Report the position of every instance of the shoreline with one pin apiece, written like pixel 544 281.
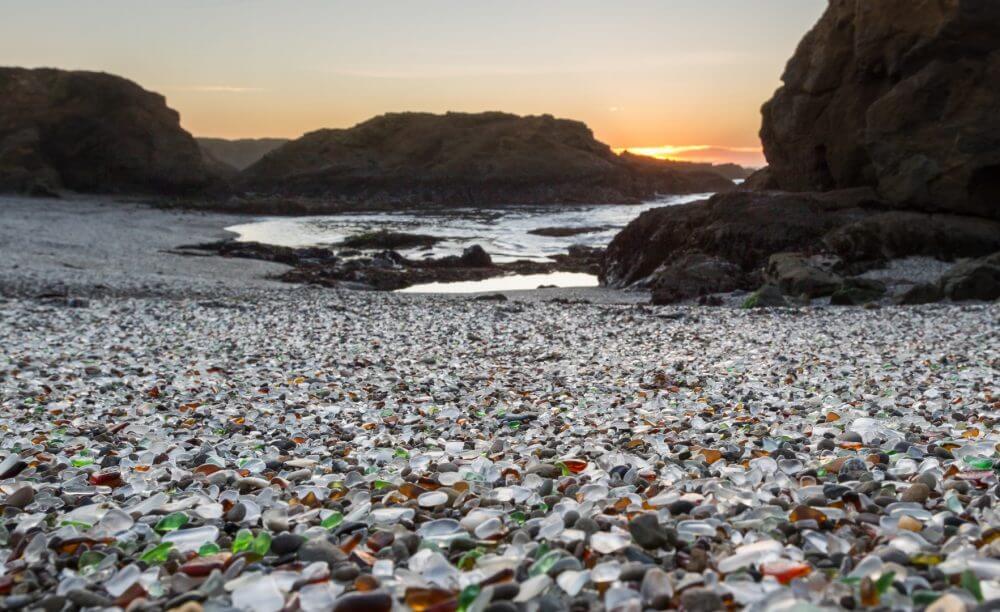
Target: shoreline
pixel 94 247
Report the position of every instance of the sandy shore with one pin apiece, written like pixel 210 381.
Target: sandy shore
pixel 89 246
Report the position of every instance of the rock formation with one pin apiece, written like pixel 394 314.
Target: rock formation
pixel 464 159
pixel 884 142
pixel 896 94
pixel 91 132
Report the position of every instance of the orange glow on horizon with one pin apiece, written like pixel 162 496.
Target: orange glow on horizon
pixel 745 156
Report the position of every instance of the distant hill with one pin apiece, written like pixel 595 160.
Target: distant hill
pixel 240 153
pixel 465 159
pixel 91 132
pixel 730 171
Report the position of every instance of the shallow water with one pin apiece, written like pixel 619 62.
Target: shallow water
pixel 503 232
pixel 517 282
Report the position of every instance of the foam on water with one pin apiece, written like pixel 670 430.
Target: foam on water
pixel 503 232
pixel 518 282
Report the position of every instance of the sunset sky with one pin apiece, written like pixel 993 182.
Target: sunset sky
pixel 690 74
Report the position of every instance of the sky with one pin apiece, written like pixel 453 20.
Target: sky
pixel 679 78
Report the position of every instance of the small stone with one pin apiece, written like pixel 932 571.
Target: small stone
pixel 370 601
pixel 917 492
pixel 700 600
pixel 20 498
pixel 647 533
pixel 319 549
pixel 286 543
pixel 86 598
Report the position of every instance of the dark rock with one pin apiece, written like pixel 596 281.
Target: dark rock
pixel 285 543
pixel 319 549
pixel 879 94
pixel 918 492
pixel 476 256
pixel 742 228
pixel 12 466
pixel 977 279
pixel 767 296
pixel 880 235
pixel 370 601
pixel 700 600
pixel 89 599
pixel 647 533
pixel 92 132
pixel 857 291
pixel 797 274
pixel 926 293
pixel 384 239
pixel 465 159
pixel 491 297
pixel 693 275
pixel 680 506
pixel 886 135
pixel 565 232
pixel 21 497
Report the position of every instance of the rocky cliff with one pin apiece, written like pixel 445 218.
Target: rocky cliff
pixel 91 132
pixel 883 142
pixel 464 159
pixel 900 95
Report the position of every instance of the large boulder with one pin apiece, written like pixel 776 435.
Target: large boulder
pixel 743 228
pixel 695 274
pixel 91 132
pixel 739 232
pixel 796 274
pixel 899 95
pixel 465 159
pixel 972 279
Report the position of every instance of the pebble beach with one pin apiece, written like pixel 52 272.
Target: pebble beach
pixel 171 440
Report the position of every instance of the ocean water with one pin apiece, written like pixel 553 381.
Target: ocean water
pixel 503 232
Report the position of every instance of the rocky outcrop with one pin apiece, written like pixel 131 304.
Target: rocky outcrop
pixel 240 153
pixel 899 95
pixel 463 159
pixel 742 228
pixel 884 142
pixel 386 269
pixel 91 132
pixel 796 274
pixel 666 249
pixel 974 279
